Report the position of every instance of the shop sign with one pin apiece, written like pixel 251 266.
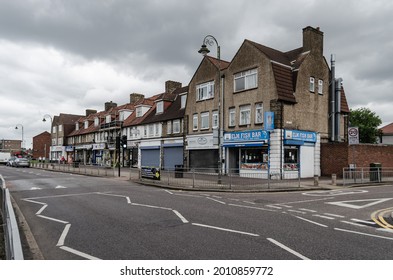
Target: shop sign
pixel 246 136
pixel 100 146
pixel 69 148
pixel 298 135
pixel 269 121
pixel 200 142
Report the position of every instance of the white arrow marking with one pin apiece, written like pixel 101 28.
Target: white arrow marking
pixel 35 188
pixel 60 187
pixel 354 203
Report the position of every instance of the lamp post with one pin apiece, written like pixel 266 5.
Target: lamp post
pixel 210 40
pixel 51 128
pixel 16 127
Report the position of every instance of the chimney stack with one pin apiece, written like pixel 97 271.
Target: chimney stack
pixel 109 105
pixel 313 40
pixel 171 86
pixel 90 112
pixel 135 97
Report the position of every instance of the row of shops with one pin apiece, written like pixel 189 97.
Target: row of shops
pixel 284 152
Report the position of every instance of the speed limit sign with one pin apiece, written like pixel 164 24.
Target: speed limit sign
pixel 353 135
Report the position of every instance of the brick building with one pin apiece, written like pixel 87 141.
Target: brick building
pixel 10 145
pixel 41 145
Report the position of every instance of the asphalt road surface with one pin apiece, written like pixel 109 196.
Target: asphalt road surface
pixel 79 217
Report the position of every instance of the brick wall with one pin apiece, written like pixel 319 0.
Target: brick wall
pixel 40 142
pixel 336 156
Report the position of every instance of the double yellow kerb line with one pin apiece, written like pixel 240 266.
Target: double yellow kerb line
pixel 379 217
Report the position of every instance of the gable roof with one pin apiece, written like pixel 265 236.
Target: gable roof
pixel 387 129
pixel 344 104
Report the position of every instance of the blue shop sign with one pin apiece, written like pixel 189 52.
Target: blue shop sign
pixel 246 136
pixel 298 135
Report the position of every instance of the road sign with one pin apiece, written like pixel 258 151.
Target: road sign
pixel 353 135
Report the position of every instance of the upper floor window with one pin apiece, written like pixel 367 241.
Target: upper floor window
pixel 259 113
pixel 205 120
pixel 160 107
pixel 215 119
pixel 169 127
pixel 176 126
pixel 312 84
pixel 86 124
pixel 246 80
pixel 195 122
pixel 139 112
pixel 320 86
pixel 76 127
pixel 205 91
pixel 183 101
pixel 232 117
pixel 108 119
pixel 96 122
pixel 60 127
pixel 245 114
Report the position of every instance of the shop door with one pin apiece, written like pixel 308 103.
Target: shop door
pixel 172 156
pixel 150 158
pixel 306 161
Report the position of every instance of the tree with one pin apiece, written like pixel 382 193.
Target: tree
pixel 368 123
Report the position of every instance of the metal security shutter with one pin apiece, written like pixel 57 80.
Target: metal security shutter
pixel 204 159
pixel 150 157
pixel 172 156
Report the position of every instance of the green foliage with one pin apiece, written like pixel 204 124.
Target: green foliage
pixel 368 123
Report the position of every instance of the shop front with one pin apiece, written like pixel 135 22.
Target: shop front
pixel 83 153
pixel 133 148
pixel 202 152
pixel 69 154
pixel 57 152
pixel 247 152
pixel 301 153
pixel 172 153
pixel 151 154
pixel 98 153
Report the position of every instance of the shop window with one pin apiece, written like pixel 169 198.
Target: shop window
pixel 255 158
pixel 291 158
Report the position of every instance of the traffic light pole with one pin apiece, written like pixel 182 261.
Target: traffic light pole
pixel 118 153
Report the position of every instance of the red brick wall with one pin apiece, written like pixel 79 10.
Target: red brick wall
pixel 39 142
pixel 336 156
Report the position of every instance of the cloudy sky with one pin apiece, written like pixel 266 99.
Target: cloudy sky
pixel 72 55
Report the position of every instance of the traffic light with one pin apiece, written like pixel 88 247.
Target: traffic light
pixel 124 141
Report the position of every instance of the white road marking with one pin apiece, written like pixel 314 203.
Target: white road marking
pixel 225 229
pixel 60 187
pixel 293 252
pixel 251 207
pixel 216 200
pixel 118 195
pixel 42 209
pixel 386 230
pixel 52 219
pixel 365 234
pixel 184 220
pixel 315 223
pixel 151 206
pixel 323 217
pixel 35 188
pixel 296 211
pixel 273 206
pixel 78 253
pixel 63 235
pixel 354 224
pixel 308 210
pixel 334 215
pixel 363 221
pixel 168 191
pixel 353 204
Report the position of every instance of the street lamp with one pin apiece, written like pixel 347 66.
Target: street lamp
pixel 210 40
pixel 51 124
pixel 16 127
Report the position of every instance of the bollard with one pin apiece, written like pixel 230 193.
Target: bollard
pixel 316 181
pixel 334 179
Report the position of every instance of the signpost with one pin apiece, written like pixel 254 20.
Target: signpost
pixel 353 135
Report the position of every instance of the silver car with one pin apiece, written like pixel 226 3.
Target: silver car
pixel 21 162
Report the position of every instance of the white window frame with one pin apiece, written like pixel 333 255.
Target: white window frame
pixel 245 115
pixel 157 129
pixel 176 126
pixel 320 87
pixel 246 79
pixel 258 113
pixel 215 119
pixel 205 120
pixel 183 101
pixel 139 112
pixel 160 107
pixel 151 130
pixel 60 127
pixel 232 117
pixel 76 127
pixel 86 125
pixel 195 122
pixel 169 127
pixel 312 84
pixel 96 122
pixel 205 91
pixel 108 119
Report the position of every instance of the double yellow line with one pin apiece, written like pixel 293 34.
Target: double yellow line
pixel 379 219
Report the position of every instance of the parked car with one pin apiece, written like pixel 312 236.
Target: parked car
pixel 10 161
pixel 21 162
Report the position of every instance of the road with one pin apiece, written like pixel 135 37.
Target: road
pixel 78 217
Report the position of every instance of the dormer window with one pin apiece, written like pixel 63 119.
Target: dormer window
pixel 86 124
pixel 76 126
pixel 96 122
pixel 183 101
pixel 160 107
pixel 108 119
pixel 139 112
